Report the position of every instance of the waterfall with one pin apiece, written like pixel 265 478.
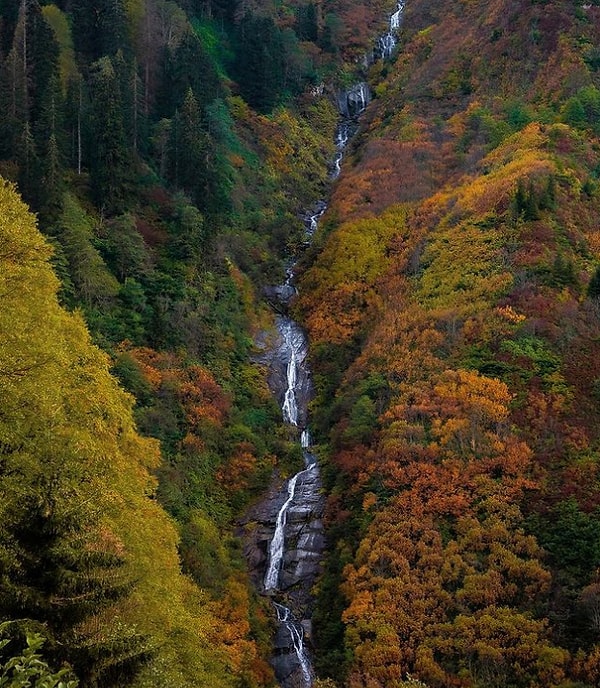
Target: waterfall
pixel 305 439
pixel 276 547
pixel 290 408
pixel 386 43
pixel 312 217
pixel 354 101
pixel 294 550
pixel 303 497
pixel 284 615
pixel 342 134
pixel 294 342
pixel 396 18
pixel 304 487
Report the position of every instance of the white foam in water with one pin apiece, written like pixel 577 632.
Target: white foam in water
pixel 284 615
pixel 352 103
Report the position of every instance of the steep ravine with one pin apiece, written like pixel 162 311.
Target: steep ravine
pixel 284 538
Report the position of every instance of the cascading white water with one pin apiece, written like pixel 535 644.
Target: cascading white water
pixel 306 482
pixel 284 615
pixel 311 219
pixel 277 543
pixel 386 43
pixel 354 101
pixel 342 135
pixel 290 408
pixel 305 439
pixel 293 349
pixel 294 343
pixel 396 18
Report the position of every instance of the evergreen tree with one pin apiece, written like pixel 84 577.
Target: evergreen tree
pixel 188 150
pixel 220 174
pixel 130 87
pixel 224 9
pixel 58 574
pixel 594 285
pixel 60 563
pixel 9 13
pixel 49 137
pixel 77 124
pixel 110 157
pixel 29 166
pixel 52 574
pixel 260 64
pixel 99 28
pixel 186 67
pixel 11 103
pixel 91 278
pixel 42 59
pixel 307 27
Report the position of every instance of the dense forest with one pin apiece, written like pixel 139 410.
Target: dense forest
pixel 156 159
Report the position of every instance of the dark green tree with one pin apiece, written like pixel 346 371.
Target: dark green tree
pixel 188 66
pixel 99 28
pixel 53 572
pixel 29 167
pixel 110 157
pixel 51 144
pixel 130 86
pixel 9 13
pixel 42 59
pixel 260 64
pixel 77 124
pixel 307 28
pixel 188 150
pixel 594 285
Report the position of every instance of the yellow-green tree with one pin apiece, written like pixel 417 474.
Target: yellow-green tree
pixel 86 554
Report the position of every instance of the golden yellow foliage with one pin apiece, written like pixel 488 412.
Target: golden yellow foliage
pixel 66 424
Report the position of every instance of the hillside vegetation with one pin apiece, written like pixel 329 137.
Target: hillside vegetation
pixel 167 150
pixel 452 305
pixel 155 161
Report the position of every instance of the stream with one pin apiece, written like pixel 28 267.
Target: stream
pixel 287 540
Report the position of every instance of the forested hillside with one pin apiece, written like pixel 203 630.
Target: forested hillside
pixel 156 160
pixel 167 150
pixel 452 304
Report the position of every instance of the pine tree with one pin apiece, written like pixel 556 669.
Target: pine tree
pixel 29 166
pixel 110 159
pixel 594 285
pixel 42 59
pixel 99 28
pixel 307 27
pixel 186 67
pixel 60 565
pixel 188 150
pixel 260 64
pixel 77 123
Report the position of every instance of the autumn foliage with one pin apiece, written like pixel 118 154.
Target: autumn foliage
pixel 461 435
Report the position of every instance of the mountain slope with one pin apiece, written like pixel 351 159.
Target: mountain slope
pixel 88 558
pixel 453 313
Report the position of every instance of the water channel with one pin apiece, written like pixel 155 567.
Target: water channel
pixel 289 541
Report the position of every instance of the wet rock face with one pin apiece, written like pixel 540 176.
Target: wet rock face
pixel 354 100
pixel 300 566
pixel 277 359
pixel 283 534
pixel 293 567
pixel 304 534
pixel 304 539
pixel 285 665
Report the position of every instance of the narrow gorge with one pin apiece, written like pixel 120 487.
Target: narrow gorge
pixel 284 546
pixel 300 344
